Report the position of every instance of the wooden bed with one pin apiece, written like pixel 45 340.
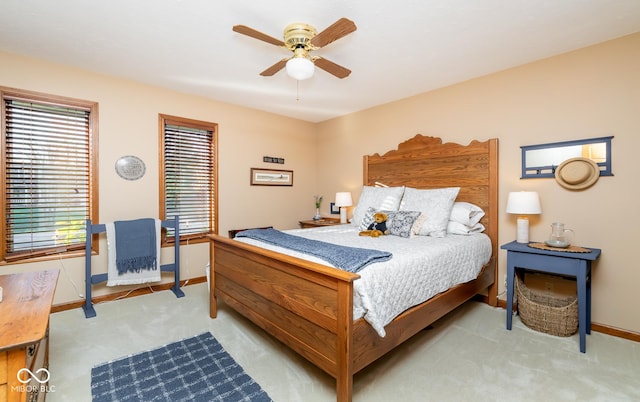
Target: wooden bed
pixel 309 306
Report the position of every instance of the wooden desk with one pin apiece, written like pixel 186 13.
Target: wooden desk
pixel 520 255
pixel 24 337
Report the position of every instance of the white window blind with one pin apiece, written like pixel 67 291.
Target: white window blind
pixel 189 152
pixel 47 177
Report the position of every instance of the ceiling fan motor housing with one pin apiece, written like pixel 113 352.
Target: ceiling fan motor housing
pixel 299 35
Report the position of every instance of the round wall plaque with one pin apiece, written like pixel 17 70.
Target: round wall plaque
pixel 130 167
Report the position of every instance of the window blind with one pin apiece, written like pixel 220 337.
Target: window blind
pixel 188 178
pixel 47 169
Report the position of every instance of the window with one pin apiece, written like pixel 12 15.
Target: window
pixel 49 170
pixel 188 184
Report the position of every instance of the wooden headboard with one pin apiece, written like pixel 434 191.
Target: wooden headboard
pixel 425 162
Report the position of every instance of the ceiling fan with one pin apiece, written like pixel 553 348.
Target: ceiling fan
pixel 301 39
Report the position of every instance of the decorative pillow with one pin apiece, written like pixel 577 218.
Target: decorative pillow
pixel 367 219
pixel 435 204
pixel 460 229
pixel 466 213
pixel 402 223
pixel 399 223
pixel 379 198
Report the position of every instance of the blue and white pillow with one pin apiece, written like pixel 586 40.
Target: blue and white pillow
pixel 402 223
pixel 399 223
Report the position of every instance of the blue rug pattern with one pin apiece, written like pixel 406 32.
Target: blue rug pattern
pixel 193 369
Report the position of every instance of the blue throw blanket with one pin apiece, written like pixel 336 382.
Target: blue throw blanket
pixel 351 259
pixel 135 245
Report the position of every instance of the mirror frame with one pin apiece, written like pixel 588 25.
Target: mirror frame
pixel 536 172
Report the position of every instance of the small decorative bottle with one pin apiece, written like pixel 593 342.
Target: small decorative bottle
pixel 317 216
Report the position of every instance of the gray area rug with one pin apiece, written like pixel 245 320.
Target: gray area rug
pixel 193 369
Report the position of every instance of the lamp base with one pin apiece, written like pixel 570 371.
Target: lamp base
pixel 343 215
pixel 522 231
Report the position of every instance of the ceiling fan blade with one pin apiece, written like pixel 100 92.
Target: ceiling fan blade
pixel 275 68
pixel 245 30
pixel 331 67
pixel 335 31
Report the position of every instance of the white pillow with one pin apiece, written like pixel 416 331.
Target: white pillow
pixel 378 198
pixel 460 229
pixel 435 205
pixel 466 213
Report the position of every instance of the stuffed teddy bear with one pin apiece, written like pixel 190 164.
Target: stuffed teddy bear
pixel 378 227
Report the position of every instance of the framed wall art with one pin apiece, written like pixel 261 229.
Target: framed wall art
pixel 271 177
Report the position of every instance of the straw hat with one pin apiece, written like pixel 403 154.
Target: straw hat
pixel 577 173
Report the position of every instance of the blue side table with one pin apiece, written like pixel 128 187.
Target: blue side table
pixel 520 255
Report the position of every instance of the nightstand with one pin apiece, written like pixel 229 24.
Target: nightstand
pixel 322 222
pixel 577 264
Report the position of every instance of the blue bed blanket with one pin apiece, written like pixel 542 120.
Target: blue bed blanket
pixel 351 259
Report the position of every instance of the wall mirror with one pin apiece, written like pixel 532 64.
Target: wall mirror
pixel 541 160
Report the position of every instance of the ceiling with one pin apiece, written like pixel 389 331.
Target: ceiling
pixel 400 49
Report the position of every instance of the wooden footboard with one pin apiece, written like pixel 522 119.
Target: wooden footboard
pixel 309 307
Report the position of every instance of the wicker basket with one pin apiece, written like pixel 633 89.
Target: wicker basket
pixel 544 312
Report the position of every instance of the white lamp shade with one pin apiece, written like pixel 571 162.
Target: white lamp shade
pixel 344 199
pixel 524 203
pixel 300 68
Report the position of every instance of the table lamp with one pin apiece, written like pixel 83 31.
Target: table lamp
pixel 523 203
pixel 343 200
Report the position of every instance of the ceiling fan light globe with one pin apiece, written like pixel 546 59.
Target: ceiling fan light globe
pixel 300 68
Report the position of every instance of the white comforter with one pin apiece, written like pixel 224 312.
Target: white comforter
pixel 421 267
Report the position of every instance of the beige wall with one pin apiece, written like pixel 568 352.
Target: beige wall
pixel 129 126
pixel 592 92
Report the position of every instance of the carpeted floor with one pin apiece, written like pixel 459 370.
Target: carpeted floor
pixel 194 369
pixel 467 356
